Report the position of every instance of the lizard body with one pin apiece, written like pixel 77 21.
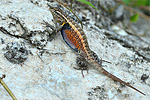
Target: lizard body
pixel 76 39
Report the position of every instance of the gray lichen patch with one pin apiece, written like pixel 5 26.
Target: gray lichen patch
pixel 39 39
pixel 16 52
pixel 97 93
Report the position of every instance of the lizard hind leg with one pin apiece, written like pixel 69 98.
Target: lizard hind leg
pixel 97 59
pixel 82 65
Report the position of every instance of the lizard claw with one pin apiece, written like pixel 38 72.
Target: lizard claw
pixel 82 65
pixel 82 69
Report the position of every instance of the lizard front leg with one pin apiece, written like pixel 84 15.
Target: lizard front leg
pixel 57 29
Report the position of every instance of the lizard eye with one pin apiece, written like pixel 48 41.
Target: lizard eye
pixel 61 23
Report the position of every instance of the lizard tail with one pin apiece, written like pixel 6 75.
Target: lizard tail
pixel 119 80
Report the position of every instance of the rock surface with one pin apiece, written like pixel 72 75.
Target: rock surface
pixel 47 72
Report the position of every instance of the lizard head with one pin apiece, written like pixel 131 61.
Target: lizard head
pixel 58 15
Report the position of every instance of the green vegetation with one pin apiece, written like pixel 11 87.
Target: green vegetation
pixel 134 18
pixel 88 3
pixel 137 3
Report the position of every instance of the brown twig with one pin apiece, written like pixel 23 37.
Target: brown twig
pixel 6 87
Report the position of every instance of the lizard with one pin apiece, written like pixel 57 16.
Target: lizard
pixel 75 38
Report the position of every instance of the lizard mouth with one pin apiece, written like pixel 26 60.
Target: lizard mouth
pixel 57 16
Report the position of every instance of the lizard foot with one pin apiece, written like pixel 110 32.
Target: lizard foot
pixel 82 65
